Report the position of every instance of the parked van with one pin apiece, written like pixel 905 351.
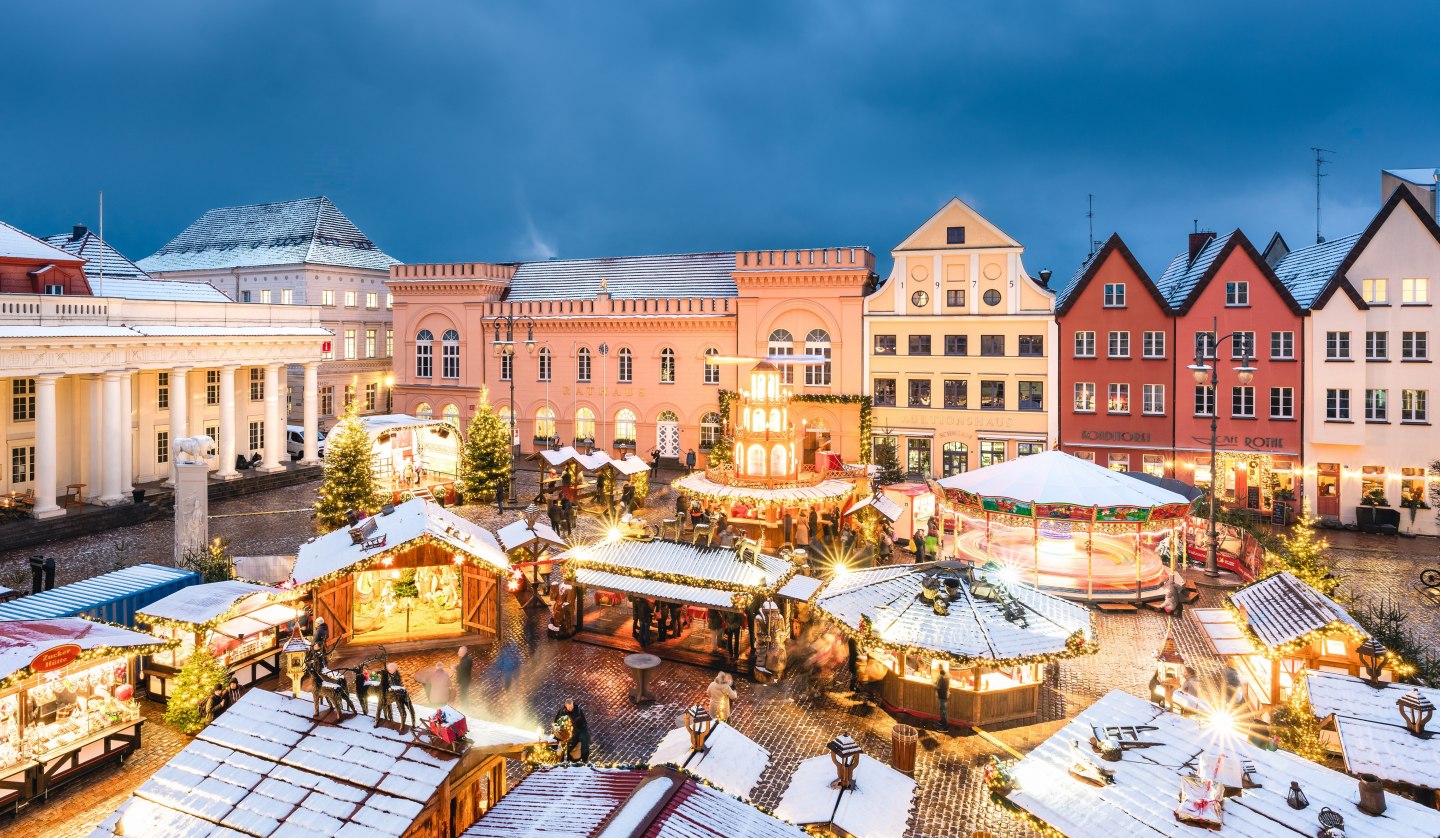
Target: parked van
pixel 295 442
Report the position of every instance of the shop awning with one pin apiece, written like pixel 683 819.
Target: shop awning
pixel 889 508
pixel 1224 633
pixel 21 641
pixel 654 589
pixel 257 621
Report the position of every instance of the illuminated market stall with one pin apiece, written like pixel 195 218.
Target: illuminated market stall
pixel 413 456
pixel 1068 526
pixel 67 701
pixel 994 639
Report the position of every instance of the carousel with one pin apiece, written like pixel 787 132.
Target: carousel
pixel 1068 526
pixel 414 457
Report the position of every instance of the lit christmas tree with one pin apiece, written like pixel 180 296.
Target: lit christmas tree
pixel 349 481
pixel 1302 553
pixel 187 709
pixel 485 452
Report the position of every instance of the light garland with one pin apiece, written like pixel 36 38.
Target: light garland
pixel 380 556
pixel 1292 648
pixel 731 497
pixel 23 674
pixel 1076 645
pixel 740 595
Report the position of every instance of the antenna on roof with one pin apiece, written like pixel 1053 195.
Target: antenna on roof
pixel 1090 214
pixel 1319 239
pixel 102 238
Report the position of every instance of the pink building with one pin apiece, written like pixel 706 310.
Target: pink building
pixel 618 358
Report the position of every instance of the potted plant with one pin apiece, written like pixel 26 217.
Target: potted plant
pixel 1374 496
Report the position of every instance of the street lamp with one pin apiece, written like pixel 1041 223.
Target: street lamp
pixel 1208 375
pixel 504 348
pixel 389 392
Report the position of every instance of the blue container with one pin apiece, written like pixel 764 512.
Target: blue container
pixel 112 597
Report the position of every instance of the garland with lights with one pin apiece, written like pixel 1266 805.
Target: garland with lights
pixel 1076 645
pixel 23 674
pixel 867 406
pixel 379 557
pixel 740 595
pixel 205 625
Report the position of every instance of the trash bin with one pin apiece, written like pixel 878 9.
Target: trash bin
pixel 903 739
pixel 138 495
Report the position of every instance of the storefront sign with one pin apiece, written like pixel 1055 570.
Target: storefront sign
pixel 1251 443
pixel 938 419
pixel 56 658
pixel 1114 436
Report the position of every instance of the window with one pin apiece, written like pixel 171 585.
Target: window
pixel 54 290
pixel 212 431
pixel 1337 346
pixel 1205 344
pixel 257 384
pixel 1377 346
pixel 957 345
pixel 1025 449
pixel 162 448
pixel 1237 294
pixel 424 346
pixel 1087 456
pixel 954 235
pixel 543 365
pixel 507 367
pixel 1032 396
pixel 1114 295
pixel 625 426
pixel 712 371
pixel 992 452
pixel 245 297
pixel 327 297
pixel 451 414
pixel 1242 345
pixel 327 400
pixel 22 464
pixel 667 366
pixel 287 296
pixel 1372 485
pixel 372 299
pixel 584 424
pixel 1282 346
pixel 1118 462
pixel 992 345
pixel 1337 405
pixel 818 343
pixel 423 411
pixel 1084 397
pixel 22 399
pixel 350 299
pixel 212 388
pixel 884 344
pixel 372 394
pixel 709 431
pixel 1204 400
pixel 257 436
pixel 991 297
pixel 1032 346
pixel 389 300
pixel 919 299
pixel 1414 346
pixel 1118 400
pixel 1242 402
pixel 1415 291
pixel 1152 344
pixel 955 298
pixel 1152 399
pixel 917 455
pixel 349 344
pixel 1374 292
pixel 582 364
pixel 507 418
pixel 885 392
pixel 954 459
pixel 450 354
pixel 1282 402
pixel 919 345
pixel 1377 408
pixel 626 368
pixel 1412 485
pixel 919 392
pixel 389 343
pixel 782 343
pixel 1153 464
pixel 1119 344
pixel 1084 344
pixel 545 423
pixel 957 393
pixel 1413 406
pixel 265 296
pixel 349 395
pixel 992 395
pixel 162 391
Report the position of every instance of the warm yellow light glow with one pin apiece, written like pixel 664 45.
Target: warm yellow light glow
pixel 614 534
pixel 1010 575
pixel 1221 721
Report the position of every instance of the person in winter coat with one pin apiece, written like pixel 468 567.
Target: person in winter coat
pixel 557 516
pixel 580 737
pixel 690 460
pixel 721 695
pixel 321 636
pixel 802 535
pixel 814 523
pixel 643 613
pixel 437 689
pixel 716 623
pixel 942 696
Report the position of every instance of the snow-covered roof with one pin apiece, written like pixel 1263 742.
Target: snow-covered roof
pixel 517 534
pixel 717 571
pixel 309 230
pixel 18 244
pixel 384 423
pixel 1373 737
pixel 878 807
pixel 1060 478
pixel 266 767
pixel 560 456
pixel 825 490
pixel 22 640
pixel 731 760
pixel 144 331
pixel 626 277
pixel 100 258
pixel 412 519
pixel 628 465
pixel 1143 797
pixel 1306 272
pixel 205 602
pixel 1281 608
pixel 884 505
pixel 800 587
pixel 266 570
pixel 889 599
pixel 1183 274
pixel 128 288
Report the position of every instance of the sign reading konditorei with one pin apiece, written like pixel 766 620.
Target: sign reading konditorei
pixel 1115 436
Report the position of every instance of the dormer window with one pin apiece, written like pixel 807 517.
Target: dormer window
pixel 54 290
pixel 954 235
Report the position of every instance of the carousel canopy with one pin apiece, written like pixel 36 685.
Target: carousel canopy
pixel 708 577
pixel 22 640
pixel 730 761
pixel 389 422
pixel 199 604
pixel 878 807
pixel 1054 477
pixel 822 492
pixel 1373 737
pixel 890 602
pixel 411 520
pixel 1280 609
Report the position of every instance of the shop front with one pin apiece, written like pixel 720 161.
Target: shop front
pixel 1252 477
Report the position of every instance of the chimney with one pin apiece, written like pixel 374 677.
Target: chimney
pixel 1198 242
pixel 78 232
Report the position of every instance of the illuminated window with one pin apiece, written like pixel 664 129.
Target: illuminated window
pixel 817 342
pixel 1374 291
pixel 584 424
pixel 625 420
pixel 1084 397
pixel 667 366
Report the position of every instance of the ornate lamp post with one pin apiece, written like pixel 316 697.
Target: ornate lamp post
pixel 1207 374
pixel 504 348
pixel 389 392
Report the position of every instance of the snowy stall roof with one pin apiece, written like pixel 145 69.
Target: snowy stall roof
pixel 205 602
pixel 22 640
pixel 1373 737
pixel 627 465
pixel 412 519
pixel 377 425
pixel 575 801
pixel 266 570
pixel 558 457
pixel 1280 609
pixel 800 587
pixel 266 767
pixel 516 534
pixel 1147 780
pixel 731 760
pixel 646 568
pixel 1057 477
pixel 825 490
pixel 976 628
pixel 878 807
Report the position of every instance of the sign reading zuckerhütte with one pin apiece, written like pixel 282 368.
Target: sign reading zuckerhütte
pixel 56 658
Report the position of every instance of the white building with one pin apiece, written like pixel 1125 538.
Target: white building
pixel 97 376
pixel 304 253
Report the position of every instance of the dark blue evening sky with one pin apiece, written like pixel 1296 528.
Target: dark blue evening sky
pixel 497 131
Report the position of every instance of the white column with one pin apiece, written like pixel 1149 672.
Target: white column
pixel 95 461
pixel 225 445
pixel 179 411
pixel 312 414
pixel 274 421
pixel 45 447
pixel 127 430
pixel 111 448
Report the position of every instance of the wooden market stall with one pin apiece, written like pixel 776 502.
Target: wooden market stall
pixel 1382 729
pixel 994 640
pixel 67 701
pixel 239 621
pixel 415 576
pixel 530 544
pixel 848 793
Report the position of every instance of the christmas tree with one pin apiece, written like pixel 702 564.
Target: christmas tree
pixel 349 481
pixel 1295 727
pixel 212 562
pixel 188 709
pixel 485 452
pixel 1302 553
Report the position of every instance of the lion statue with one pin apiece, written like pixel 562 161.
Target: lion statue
pixel 192 449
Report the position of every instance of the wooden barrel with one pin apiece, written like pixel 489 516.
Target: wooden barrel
pixel 903 741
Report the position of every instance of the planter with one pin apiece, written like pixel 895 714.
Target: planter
pixel 138 495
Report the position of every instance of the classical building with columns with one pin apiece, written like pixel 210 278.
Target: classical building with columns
pixel 99 374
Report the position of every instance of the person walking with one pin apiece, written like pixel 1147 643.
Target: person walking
pixel 643 613
pixel 464 671
pixel 722 693
pixel 579 730
pixel 437 688
pixel 321 636
pixel 627 497
pixel 508 662
pixel 942 696
pixel 216 703
pixel 690 461
pixel 556 516
pixel 802 535
pixel 852 663
pixel 813 522
pixel 655 461
pixel 715 620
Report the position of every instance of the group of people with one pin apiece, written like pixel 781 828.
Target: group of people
pixel 658 620
pixel 445 685
pixel 223 697
pixel 561 510
pixel 926 541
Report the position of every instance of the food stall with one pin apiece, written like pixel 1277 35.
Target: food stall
pixel 913 505
pixel 238 621
pixel 67 701
pixel 994 639
pixel 414 456
pixel 529 543
pixel 113 597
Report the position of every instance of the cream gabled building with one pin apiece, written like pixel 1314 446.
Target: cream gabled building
pixel 960 348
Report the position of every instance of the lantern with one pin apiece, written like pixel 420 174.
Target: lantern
pixel 1296 796
pixel 1372 657
pixel 698 723
pixel 1416 710
pixel 845 753
pixel 531 515
pixel 294 653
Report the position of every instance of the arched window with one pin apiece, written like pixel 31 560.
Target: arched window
pixel 424 349
pixel 783 343
pixel 544 424
pixel 544 364
pixel 757 419
pixel 451 414
pixel 625 426
pixel 668 416
pixel 422 411
pixel 709 431
pixel 712 371
pixel 667 366
pixel 777 460
pixel 954 459
pixel 755 461
pixel 818 343
pixel 582 364
pixel 504 413
pixel 584 424
pixel 450 354
pixel 627 366
pixel 775 426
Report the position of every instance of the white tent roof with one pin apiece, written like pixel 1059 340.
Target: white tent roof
pixel 377 425
pixel 203 603
pixel 516 534
pixel 1057 477
pixel 731 761
pixel 409 521
pixel 878 807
